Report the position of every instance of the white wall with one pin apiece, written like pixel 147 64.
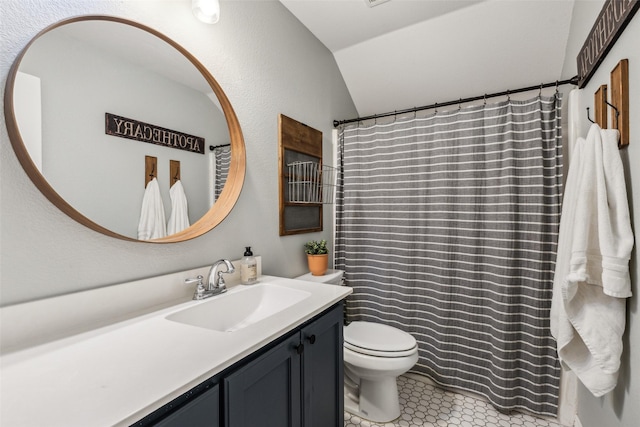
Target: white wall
pixel 458 55
pixel 266 62
pixel 619 407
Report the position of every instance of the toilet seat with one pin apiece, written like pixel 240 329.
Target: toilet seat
pixel 376 339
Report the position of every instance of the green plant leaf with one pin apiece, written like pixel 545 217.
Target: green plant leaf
pixel 315 247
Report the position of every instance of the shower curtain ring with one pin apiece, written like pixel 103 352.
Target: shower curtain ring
pixel 485 99
pixel 540 92
pixel 508 95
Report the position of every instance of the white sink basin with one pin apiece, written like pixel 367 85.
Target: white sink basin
pixel 239 308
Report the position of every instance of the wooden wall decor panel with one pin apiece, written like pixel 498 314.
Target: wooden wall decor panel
pixel 620 99
pixel 150 169
pixel 600 106
pixel 174 172
pixel 297 142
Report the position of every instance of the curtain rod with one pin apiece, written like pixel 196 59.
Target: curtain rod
pixel 573 81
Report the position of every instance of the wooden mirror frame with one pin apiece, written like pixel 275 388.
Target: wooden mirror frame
pixel 235 178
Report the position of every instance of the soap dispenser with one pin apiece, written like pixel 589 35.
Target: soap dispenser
pixel 248 268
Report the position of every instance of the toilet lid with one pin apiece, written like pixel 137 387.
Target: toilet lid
pixel 376 339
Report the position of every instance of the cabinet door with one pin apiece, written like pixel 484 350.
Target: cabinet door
pixel 203 411
pixel 266 392
pixel 323 370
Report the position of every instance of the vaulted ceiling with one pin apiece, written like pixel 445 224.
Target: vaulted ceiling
pixel 406 53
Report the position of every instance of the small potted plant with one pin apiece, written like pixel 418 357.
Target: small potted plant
pixel 317 256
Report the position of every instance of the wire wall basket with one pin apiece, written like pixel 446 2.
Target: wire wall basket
pixel 310 182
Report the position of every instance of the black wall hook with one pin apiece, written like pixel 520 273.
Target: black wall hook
pixel 614 109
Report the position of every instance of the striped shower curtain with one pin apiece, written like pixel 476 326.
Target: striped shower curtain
pixel 446 227
pixel 222 162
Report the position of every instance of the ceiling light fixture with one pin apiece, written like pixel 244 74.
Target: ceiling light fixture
pixel 208 11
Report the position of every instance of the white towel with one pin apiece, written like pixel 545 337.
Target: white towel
pixel 568 393
pixel 152 224
pixel 575 116
pixel 179 218
pixel 592 265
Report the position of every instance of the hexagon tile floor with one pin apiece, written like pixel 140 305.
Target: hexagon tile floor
pixel 424 405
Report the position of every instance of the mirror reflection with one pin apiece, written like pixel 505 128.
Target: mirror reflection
pixel 72 76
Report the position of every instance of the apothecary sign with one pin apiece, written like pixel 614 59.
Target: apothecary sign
pixel 613 18
pixel 152 134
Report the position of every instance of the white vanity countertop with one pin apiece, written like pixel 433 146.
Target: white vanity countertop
pixel 116 375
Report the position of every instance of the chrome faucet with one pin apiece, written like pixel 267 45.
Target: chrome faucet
pixel 215 281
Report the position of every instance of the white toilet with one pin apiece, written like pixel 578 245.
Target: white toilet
pixel 374 356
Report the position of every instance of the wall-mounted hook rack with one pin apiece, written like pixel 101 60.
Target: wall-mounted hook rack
pixel 620 98
pixel 150 169
pixel 616 111
pixel 174 172
pixel 600 106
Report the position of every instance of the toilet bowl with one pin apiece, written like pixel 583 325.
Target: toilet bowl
pixel 374 356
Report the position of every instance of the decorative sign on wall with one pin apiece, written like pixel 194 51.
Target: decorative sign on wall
pixel 613 18
pixel 152 134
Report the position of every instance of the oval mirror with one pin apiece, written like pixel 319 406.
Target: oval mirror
pixel 96 106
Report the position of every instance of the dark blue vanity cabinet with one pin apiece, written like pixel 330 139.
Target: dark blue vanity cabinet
pixel 296 381
pixel 323 371
pixel 202 411
pixel 267 391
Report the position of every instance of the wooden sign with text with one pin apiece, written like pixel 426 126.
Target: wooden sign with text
pixel 152 134
pixel 613 18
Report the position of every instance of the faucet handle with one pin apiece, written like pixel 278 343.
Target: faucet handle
pixel 221 282
pixel 192 280
pixel 200 289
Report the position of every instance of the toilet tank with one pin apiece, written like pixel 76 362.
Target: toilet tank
pixel 331 277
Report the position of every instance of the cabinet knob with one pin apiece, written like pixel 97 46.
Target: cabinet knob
pixel 312 339
pixel 299 348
